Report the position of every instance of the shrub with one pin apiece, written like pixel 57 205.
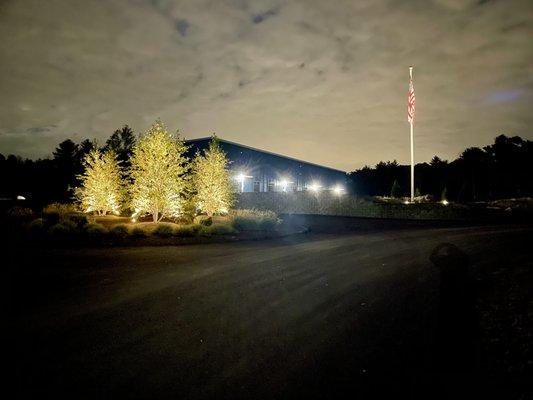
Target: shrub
pixel 138 232
pixel 245 223
pixel 251 220
pixel 188 230
pixel 79 219
pixel 163 230
pixel 95 230
pixel 119 231
pixel 203 220
pixel 268 223
pixel 22 213
pixel 59 230
pixel 218 229
pixel 36 226
pixel 19 215
pixel 60 209
pixel 58 212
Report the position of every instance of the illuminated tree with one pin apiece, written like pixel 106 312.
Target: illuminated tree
pixel 101 188
pixel 158 168
pixel 214 191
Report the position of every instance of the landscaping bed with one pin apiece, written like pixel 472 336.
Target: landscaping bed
pixel 63 226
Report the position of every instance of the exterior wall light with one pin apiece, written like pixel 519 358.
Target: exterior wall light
pixel 283 184
pixel 241 178
pixel 445 202
pixel 338 190
pixel 314 187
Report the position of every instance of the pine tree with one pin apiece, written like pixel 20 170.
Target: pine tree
pixel 122 142
pixel 158 168
pixel 101 188
pixel 396 190
pixel 214 191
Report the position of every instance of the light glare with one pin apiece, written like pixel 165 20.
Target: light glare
pixel 315 187
pixel 338 190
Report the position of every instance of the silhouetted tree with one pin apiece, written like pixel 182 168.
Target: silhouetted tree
pixel 85 148
pixel 67 161
pixel 396 191
pixel 121 143
pixel 500 170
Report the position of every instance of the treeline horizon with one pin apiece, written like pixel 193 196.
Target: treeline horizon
pixel 48 180
pixel 500 170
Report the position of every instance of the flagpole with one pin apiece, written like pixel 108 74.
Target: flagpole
pixel 412 150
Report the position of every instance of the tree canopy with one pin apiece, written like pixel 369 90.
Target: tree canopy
pixel 158 167
pixel 101 187
pixel 500 170
pixel 214 191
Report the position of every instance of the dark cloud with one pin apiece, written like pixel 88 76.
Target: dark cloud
pixel 40 129
pixel 258 18
pixel 505 96
pixel 182 25
pixel 319 80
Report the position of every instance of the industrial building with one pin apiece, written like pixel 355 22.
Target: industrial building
pixel 256 170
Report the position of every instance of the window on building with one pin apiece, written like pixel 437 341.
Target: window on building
pixel 257 186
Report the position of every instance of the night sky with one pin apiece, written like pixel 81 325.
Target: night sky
pixel 324 81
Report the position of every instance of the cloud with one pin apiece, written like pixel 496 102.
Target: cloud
pixel 505 96
pixel 182 25
pixel 322 81
pixel 258 18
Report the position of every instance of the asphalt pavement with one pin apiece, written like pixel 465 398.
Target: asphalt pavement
pixel 307 316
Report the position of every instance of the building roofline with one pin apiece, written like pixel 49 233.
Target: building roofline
pixel 264 151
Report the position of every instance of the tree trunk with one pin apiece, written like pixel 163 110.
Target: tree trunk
pixel 154 216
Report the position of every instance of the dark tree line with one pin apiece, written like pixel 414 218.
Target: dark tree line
pixel 503 169
pixel 45 181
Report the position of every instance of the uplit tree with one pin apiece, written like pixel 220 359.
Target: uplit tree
pixel 101 188
pixel 214 191
pixel 158 168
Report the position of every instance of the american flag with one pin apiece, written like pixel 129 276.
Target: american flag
pixel 411 102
